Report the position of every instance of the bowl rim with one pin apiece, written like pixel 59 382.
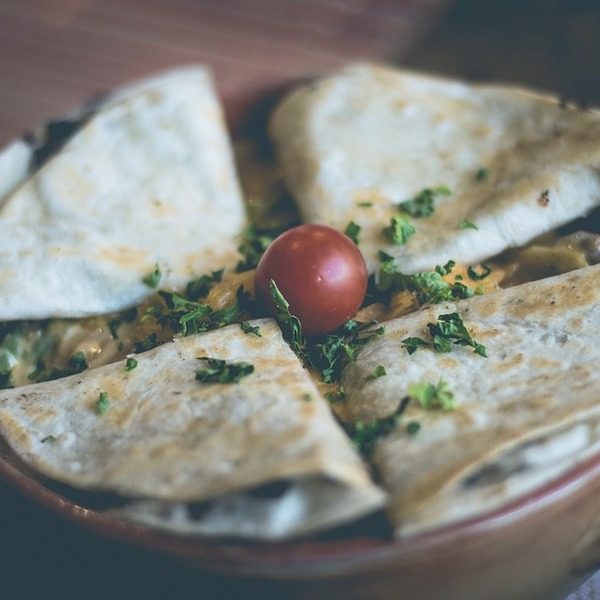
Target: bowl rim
pixel 304 558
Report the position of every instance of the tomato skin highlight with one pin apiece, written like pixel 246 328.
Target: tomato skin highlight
pixel 320 272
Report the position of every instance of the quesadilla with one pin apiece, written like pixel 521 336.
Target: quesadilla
pixel 523 376
pixel 432 169
pixel 174 428
pixel 143 196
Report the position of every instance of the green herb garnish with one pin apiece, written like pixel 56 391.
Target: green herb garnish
pixel 129 316
pixel 352 230
pixel 149 342
pixel 429 286
pixel 466 224
pixel 198 288
pixel 364 204
pixel 482 274
pixel 482 174
pixel 48 438
pixel 220 371
pixel 337 349
pixel 431 396
pixel 422 205
pixel 399 230
pixel 289 323
pixel 250 329
pixel 102 403
pixel 413 427
pixel 377 373
pixel 153 279
pixel 130 364
pixel 365 434
pixel 449 330
pixel 255 242
pixel 412 344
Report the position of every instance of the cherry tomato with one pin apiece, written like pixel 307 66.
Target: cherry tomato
pixel 320 272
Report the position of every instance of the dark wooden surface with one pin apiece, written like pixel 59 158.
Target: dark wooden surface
pixel 53 54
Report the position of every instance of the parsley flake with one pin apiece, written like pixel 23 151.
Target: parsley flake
pixel 413 427
pixel 153 279
pixel 364 204
pixel 482 174
pixel 220 371
pixel 130 363
pixel 466 224
pixel 431 396
pixel 250 329
pixel 48 438
pixel 399 230
pixel 289 323
pixel 198 288
pixel 377 373
pixel 449 330
pixel 478 276
pixel 352 230
pixel 365 434
pixel 412 344
pixel 102 403
pixel 422 205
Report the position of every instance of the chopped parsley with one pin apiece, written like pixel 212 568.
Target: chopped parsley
pixel 365 434
pixel 102 403
pixel 422 205
pixel 189 317
pixel 129 316
pixel 335 350
pixel 198 288
pixel 466 224
pixel 255 241
pixel 377 373
pixel 250 329
pixel 76 364
pixel 475 275
pixel 399 230
pixel 448 330
pixel 149 342
pixel 429 286
pixel 352 230
pixel 48 438
pixel 482 174
pixel 289 323
pixel 413 427
pixel 412 344
pixel 5 369
pixel 131 363
pixel 445 269
pixel 220 371
pixel 431 396
pixel 364 204
pixel 307 397
pixel 153 279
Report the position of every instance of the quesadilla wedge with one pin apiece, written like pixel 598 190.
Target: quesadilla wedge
pixel 143 196
pixel 432 169
pixel 176 428
pixel 508 404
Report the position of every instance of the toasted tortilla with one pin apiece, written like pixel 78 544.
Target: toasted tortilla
pixel 525 414
pixel 174 440
pixel 148 180
pixel 378 135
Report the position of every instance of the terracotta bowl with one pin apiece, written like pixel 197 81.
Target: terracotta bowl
pixel 540 546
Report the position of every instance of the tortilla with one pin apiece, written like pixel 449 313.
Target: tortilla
pixel 525 414
pixel 148 180
pixel 172 439
pixel 517 163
